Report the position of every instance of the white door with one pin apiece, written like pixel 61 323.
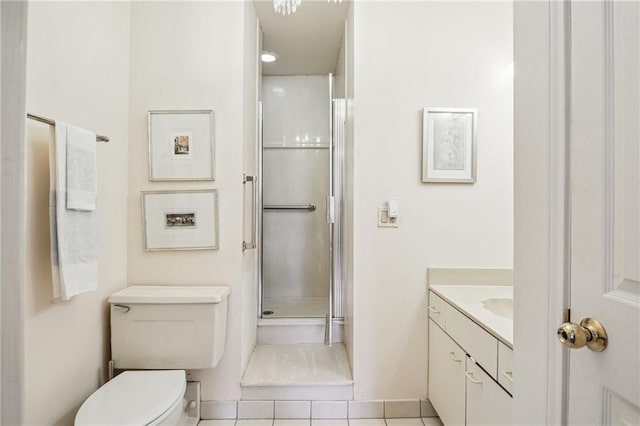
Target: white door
pixel 604 95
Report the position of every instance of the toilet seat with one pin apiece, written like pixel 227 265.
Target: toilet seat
pixel 140 398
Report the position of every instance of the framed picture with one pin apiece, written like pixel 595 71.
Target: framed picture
pixel 180 220
pixel 449 145
pixel 181 145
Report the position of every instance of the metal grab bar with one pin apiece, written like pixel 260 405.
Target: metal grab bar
pixel 309 207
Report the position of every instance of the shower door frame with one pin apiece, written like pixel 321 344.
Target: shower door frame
pixel 334 217
pixel 331 219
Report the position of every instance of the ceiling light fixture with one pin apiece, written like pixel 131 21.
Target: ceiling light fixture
pixel 286 7
pixel 268 57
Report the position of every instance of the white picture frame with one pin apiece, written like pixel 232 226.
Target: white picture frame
pixel 180 220
pixel 449 145
pixel 181 145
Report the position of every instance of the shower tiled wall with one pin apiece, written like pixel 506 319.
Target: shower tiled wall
pixel 296 110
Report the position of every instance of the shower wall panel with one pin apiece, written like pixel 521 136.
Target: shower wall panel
pixel 296 110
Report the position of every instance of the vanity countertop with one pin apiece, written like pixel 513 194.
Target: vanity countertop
pixel 489 306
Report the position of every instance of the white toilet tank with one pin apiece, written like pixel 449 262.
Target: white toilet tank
pixel 168 327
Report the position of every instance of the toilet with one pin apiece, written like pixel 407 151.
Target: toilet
pixel 159 331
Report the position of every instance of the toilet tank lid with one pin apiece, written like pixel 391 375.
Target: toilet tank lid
pixel 151 294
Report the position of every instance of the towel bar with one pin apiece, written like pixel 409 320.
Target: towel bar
pixel 45 120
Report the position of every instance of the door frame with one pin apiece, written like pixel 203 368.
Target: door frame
pixel 13 29
pixel 541 208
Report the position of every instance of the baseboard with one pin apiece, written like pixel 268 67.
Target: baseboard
pixel 298 393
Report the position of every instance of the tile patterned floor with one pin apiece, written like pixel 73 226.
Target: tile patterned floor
pixel 432 421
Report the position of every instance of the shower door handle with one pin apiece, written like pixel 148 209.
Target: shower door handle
pixel 330 209
pixel 254 204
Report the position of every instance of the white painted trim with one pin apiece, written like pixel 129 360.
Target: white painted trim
pixel 12 212
pixel 560 207
pixel 1 399
pixel 540 210
pixel 609 151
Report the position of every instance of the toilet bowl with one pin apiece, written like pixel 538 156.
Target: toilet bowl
pixel 140 398
pixel 163 331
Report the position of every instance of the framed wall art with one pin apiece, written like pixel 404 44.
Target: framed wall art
pixel 449 145
pixel 181 145
pixel 180 220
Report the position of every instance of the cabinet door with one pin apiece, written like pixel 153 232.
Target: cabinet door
pixel 446 376
pixel 505 367
pixel 487 403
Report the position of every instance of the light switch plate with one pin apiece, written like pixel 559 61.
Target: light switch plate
pixel 384 221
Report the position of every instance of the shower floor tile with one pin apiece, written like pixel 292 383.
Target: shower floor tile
pixel 301 364
pixel 304 307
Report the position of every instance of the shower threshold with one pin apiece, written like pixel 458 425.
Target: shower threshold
pixel 302 307
pixel 298 372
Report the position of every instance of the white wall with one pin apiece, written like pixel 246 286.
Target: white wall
pixel 539 209
pixel 407 56
pixel 190 55
pixel 250 166
pixel 348 196
pixel 77 71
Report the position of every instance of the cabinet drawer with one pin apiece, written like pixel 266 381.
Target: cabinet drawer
pixel 479 344
pixel 487 403
pixel 446 376
pixel 505 367
pixel 439 310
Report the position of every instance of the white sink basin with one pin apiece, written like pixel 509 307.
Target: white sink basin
pixel 502 307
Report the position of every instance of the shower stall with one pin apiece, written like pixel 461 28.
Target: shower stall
pixel 300 182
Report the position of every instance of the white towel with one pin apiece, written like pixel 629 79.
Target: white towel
pixel 82 170
pixel 74 234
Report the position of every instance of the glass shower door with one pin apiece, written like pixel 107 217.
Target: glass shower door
pixel 296 164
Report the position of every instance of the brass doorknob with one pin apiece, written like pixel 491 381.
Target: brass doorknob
pixel 589 332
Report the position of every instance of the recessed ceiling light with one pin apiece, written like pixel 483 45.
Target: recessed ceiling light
pixel 268 57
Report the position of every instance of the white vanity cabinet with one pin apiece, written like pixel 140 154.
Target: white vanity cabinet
pixel 470 370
